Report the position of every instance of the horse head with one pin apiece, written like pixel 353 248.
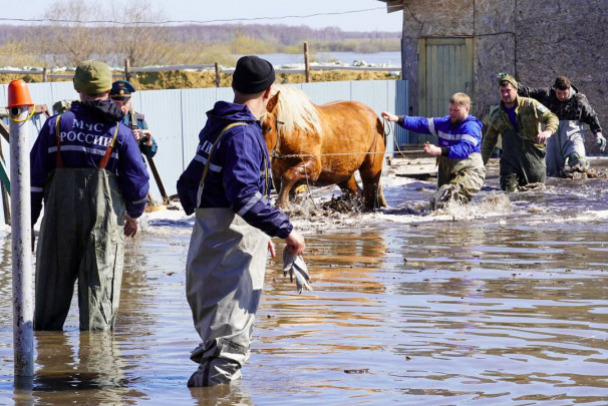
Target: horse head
pixel 270 124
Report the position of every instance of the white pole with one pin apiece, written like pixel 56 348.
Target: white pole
pixel 21 228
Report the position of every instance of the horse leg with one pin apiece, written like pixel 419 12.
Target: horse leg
pixel 276 183
pixel 372 191
pixel 370 172
pixel 350 186
pixel 307 169
pixel 380 201
pixel 283 197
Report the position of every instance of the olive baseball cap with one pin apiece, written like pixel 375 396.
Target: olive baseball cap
pixel 92 77
pixel 504 77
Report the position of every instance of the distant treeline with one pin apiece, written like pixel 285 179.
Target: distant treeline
pixel 280 34
pixel 57 44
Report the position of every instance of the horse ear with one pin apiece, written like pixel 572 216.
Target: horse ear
pixel 273 102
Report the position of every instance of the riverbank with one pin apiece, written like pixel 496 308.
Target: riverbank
pixel 186 79
pixel 340 67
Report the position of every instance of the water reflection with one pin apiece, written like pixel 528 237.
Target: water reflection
pixel 6 273
pixel 346 267
pixel 79 368
pixel 223 395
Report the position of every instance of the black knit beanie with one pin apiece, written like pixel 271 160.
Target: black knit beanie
pixel 252 75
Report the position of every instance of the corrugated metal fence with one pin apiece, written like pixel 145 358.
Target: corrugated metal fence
pixel 176 116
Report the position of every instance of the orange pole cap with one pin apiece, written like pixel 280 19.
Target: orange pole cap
pixel 19 94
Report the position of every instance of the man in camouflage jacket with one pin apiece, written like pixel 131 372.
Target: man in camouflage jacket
pixel 572 109
pixel 519 120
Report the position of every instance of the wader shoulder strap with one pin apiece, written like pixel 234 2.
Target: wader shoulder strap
pixel 106 157
pixel 266 174
pixel 202 182
pixel 58 161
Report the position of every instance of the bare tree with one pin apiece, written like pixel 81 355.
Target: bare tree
pixel 140 38
pixel 107 31
pixel 69 39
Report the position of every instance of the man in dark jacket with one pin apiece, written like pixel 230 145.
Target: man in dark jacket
pixel 227 184
pixel 572 109
pixel 87 167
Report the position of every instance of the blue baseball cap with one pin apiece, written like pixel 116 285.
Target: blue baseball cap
pixel 121 90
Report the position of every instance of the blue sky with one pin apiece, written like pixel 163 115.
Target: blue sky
pixel 373 20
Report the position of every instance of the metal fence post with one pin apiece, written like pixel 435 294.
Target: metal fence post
pixel 19 104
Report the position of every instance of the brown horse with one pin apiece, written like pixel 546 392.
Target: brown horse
pixel 323 145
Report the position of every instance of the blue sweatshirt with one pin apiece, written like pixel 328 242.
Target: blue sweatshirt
pixel 239 173
pixel 459 139
pixel 85 131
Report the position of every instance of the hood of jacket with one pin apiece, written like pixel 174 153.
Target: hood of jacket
pixel 225 113
pixel 99 110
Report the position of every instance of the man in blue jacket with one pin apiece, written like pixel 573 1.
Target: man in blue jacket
pixel 461 171
pixel 227 184
pixel 87 168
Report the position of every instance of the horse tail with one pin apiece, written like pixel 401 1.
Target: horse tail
pixel 381 128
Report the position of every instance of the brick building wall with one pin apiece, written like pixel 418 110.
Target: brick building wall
pixel 533 40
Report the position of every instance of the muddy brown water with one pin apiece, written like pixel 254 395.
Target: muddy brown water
pixel 504 303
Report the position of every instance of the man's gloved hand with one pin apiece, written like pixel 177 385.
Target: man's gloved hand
pixel 601 141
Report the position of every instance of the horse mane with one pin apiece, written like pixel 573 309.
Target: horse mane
pixel 296 110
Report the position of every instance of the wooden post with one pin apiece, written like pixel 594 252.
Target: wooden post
pixel 306 63
pixel 218 75
pixel 159 183
pixel 44 74
pixel 127 70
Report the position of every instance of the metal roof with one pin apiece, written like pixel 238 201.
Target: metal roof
pixel 393 5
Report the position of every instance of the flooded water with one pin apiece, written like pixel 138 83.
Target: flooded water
pixel 504 302
pixel 388 58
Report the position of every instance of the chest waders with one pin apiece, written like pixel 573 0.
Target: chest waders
pixel 566 144
pixel 224 280
pixel 80 239
pixel 459 179
pixel 522 161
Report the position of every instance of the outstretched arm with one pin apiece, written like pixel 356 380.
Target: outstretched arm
pixel 390 117
pixel 540 94
pixel 418 124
